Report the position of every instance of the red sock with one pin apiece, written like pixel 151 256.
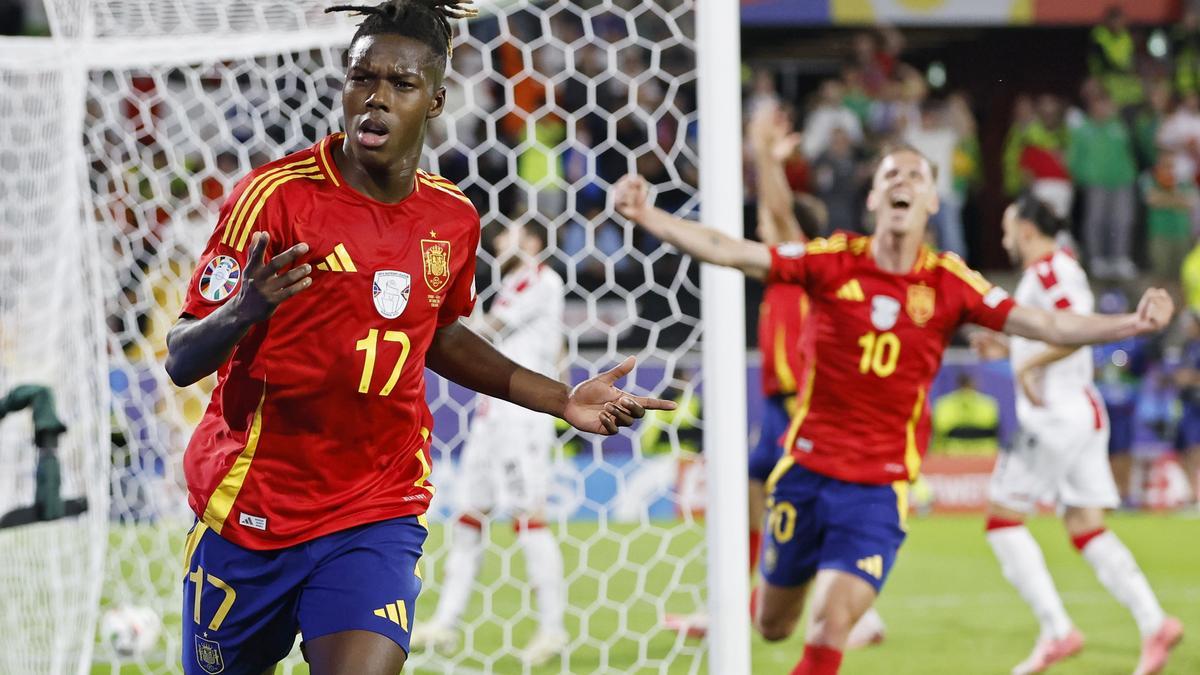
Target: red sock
pixel 818 660
pixel 755 547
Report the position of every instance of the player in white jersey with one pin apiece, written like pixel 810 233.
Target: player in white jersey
pixel 505 466
pixel 1061 455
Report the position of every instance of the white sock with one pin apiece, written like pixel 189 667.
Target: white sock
pixel 1119 573
pixel 544 567
pixel 1022 564
pixel 462 565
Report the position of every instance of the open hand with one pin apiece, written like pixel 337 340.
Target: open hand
pixel 1154 311
pixel 597 406
pixel 263 287
pixel 631 196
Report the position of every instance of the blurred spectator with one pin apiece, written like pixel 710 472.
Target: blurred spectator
pixel 1185 51
pixel 1148 122
pixel 838 179
pixel 856 97
pixel 936 139
pixel 966 421
pixel 875 66
pixel 1180 132
pixel 829 114
pixel 889 110
pixel 1190 278
pixel 968 157
pixel 1169 206
pixel 1111 53
pixel 1100 157
pixel 1043 162
pixel 1024 114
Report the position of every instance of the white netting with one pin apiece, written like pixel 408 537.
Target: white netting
pixel 548 103
pixel 51 334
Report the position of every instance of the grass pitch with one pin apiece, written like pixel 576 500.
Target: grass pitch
pixel 947 608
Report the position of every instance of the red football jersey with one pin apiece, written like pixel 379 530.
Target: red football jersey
pixel 780 322
pixel 318 422
pixel 872 345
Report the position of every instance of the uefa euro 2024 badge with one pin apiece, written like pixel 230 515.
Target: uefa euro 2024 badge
pixel 220 278
pixel 390 291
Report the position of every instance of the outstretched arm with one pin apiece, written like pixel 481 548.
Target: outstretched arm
pixel 1074 330
pixel 703 243
pixel 460 355
pixel 774 141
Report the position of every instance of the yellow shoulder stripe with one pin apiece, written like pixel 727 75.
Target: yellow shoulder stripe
pixel 243 223
pixel 954 265
pixel 323 153
pixel 452 192
pixel 834 244
pixel 254 189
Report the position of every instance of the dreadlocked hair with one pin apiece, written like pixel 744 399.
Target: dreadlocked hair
pixel 424 20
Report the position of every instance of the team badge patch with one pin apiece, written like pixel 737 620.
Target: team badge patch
pixel 220 278
pixel 884 311
pixel 435 258
pixel 390 291
pixel 920 304
pixel 208 655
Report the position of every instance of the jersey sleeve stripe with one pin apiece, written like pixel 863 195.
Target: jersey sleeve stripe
pixel 912 454
pixel 249 226
pixel 220 503
pixel 323 153
pixel 253 189
pixel 966 275
pixel 453 193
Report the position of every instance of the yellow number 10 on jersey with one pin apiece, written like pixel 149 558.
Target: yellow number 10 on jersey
pixel 880 353
pixel 370 345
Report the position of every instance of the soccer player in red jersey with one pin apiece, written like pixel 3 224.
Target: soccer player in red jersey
pixel 884 308
pixel 335 276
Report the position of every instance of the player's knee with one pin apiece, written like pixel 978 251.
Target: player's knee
pixel 774 629
pixel 830 628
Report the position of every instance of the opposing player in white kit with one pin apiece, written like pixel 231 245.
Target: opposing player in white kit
pixel 505 464
pixel 1061 454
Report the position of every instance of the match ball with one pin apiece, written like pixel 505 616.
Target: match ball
pixel 130 630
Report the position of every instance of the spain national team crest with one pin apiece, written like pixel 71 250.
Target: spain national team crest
pixel 920 303
pixel 435 258
pixel 390 291
pixel 219 278
pixel 208 655
pixel 884 312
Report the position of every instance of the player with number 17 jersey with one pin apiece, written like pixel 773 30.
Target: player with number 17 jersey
pixel 290 447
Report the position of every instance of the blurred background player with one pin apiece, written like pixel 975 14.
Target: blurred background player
pixel 838 499
pixel 1061 454
pixel 506 462
pixel 1187 378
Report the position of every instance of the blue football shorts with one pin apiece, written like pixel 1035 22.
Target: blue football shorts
pixel 771 430
pixel 243 608
pixel 815 522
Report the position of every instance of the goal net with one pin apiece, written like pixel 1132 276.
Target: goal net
pixel 121 136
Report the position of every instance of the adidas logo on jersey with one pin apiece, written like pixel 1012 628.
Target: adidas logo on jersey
pixel 852 291
pixel 396 612
pixel 338 261
pixel 873 565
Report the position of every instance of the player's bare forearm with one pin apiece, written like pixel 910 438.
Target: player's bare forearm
pixel 776 212
pixel 460 355
pixel 1044 358
pixel 708 244
pixel 1153 313
pixel 196 348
